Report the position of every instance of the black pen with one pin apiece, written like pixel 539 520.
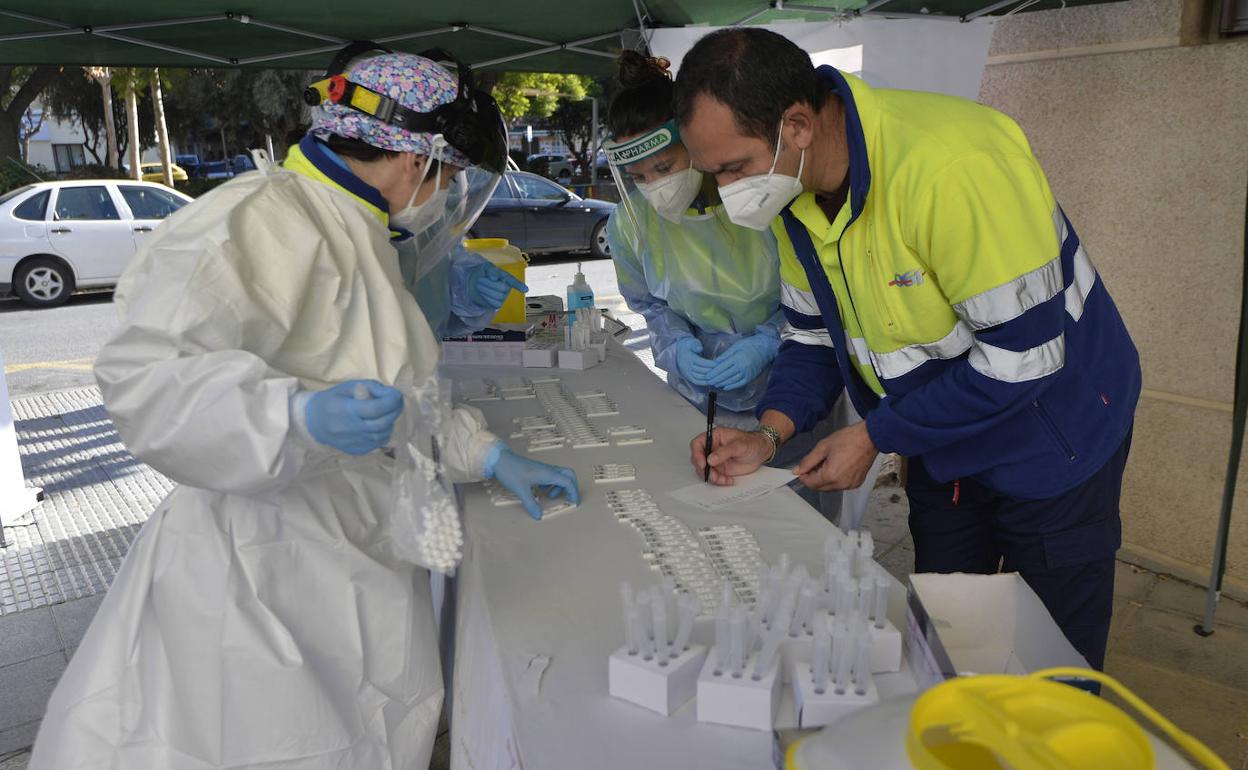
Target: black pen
pixel 710 427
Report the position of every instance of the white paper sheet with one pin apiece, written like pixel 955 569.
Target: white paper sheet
pixel 709 497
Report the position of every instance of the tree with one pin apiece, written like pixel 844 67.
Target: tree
pixel 19 87
pixel 536 94
pixel 32 123
pixel 102 76
pixel 75 94
pixel 244 106
pixel 574 122
pixel 162 129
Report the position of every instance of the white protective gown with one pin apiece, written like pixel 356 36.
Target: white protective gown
pixel 262 618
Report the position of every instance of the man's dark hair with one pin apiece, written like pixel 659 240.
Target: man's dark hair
pixel 756 73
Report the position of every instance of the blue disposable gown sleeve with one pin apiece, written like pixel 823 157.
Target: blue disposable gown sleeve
pixel 804 384
pixel 466 315
pixel 665 325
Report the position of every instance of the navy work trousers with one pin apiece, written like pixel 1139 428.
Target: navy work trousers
pixel 1063 546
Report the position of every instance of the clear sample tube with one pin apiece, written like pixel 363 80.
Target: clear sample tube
pixel 805 609
pixel 658 608
pixel 669 594
pixel 843 659
pixel 722 642
pixel 820 656
pixel 644 614
pixel 784 564
pixel 880 615
pixel 686 606
pixel 633 630
pixel 866 595
pixel 736 650
pixel 626 601
pixel 862 666
pixel 727 597
pixel 764 606
pixel 846 596
pixel 771 645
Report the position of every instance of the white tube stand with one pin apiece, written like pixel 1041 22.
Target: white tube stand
pixel 16 499
pixel 578 359
pixel 740 702
pixel 662 689
pixel 885 648
pixel 816 710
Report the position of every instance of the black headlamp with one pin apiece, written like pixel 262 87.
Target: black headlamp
pixel 471 123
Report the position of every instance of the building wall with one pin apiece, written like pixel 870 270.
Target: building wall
pixel 1145 143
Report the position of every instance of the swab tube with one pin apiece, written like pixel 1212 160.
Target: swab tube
pixel 771 645
pixel 866 595
pixel 687 607
pixel 658 608
pixel 862 666
pixel 722 642
pixel 880 616
pixel 805 608
pixel 843 659
pixel 633 630
pixel 644 614
pixel 822 653
pixel 736 651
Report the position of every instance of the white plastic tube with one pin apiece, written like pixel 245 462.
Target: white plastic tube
pixel 821 654
pixel 658 608
pixel 736 650
pixel 687 607
pixel 847 594
pixel 626 603
pixel 669 594
pixel 771 645
pixel 644 614
pixel 805 609
pixel 866 595
pixel 722 638
pixel 842 659
pixel 633 630
pixel 882 584
pixel 862 666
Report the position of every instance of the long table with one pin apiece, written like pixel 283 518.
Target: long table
pixel 528 590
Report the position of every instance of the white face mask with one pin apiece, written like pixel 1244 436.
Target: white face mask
pixel 755 201
pixel 672 195
pixel 418 218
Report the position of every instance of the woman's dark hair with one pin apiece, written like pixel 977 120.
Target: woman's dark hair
pixel 756 73
pixel 644 101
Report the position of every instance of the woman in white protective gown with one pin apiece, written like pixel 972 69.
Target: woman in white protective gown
pixel 275 611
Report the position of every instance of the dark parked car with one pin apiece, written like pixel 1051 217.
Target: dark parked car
pixel 540 216
pixel 189 163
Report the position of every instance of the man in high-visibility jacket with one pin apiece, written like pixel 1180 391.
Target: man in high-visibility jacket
pixel 926 268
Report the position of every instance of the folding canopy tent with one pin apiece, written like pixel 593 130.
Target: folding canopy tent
pixel 535 35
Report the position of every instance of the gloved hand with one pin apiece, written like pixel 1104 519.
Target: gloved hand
pixel 744 360
pixel 520 474
pixel 488 285
pixel 337 417
pixel 692 366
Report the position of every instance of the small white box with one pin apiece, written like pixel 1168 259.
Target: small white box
pixel 540 358
pixel 578 359
pixel 661 688
pixel 885 649
pixel 741 702
pixel 816 709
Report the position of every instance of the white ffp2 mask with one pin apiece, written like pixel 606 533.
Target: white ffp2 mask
pixel 672 195
pixel 755 201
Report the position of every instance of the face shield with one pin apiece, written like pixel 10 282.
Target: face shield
pixel 654 177
pixel 438 224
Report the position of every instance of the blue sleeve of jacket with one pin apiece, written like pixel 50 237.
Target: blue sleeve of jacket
pixel 665 325
pixel 805 379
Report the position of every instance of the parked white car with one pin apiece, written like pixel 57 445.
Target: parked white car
pixel 57 237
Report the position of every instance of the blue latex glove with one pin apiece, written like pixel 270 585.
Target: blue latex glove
pixel 744 360
pixel 488 285
pixel 337 417
pixel 520 474
pixel 692 366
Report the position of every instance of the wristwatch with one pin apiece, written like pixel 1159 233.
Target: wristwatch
pixel 772 435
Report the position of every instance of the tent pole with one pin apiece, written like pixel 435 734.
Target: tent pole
pixel 1217 570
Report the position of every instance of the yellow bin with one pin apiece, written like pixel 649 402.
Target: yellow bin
pixel 511 259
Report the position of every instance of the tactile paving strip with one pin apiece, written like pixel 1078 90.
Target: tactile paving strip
pixel 96 496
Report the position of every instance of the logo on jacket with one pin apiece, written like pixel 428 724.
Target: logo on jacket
pixel 912 278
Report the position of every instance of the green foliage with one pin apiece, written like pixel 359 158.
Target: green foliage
pixel 15 174
pixel 198 187
pixel 94 171
pixel 536 94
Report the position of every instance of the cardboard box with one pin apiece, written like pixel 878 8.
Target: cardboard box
pixel 982 624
